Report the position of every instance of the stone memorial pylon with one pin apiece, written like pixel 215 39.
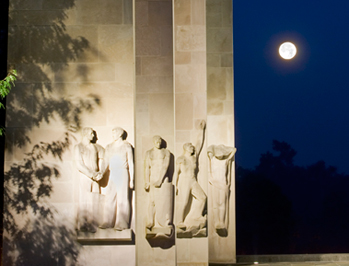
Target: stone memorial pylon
pixel 154 105
pixel 184 78
pixel 220 131
pixel 130 106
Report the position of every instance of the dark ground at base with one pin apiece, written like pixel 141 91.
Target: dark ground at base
pixel 341 259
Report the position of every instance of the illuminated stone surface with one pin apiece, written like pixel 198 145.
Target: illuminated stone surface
pixel 150 67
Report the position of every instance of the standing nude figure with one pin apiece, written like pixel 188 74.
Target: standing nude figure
pixel 188 188
pixel 156 164
pixel 88 158
pixel 119 160
pixel 220 158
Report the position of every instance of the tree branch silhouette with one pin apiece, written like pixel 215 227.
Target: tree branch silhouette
pixel 34 232
pixel 285 208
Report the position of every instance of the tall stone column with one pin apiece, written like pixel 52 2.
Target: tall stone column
pixel 220 131
pixel 161 70
pixel 155 237
pixel 190 110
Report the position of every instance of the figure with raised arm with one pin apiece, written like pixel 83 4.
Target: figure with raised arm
pixel 88 159
pixel 188 189
pixel 119 161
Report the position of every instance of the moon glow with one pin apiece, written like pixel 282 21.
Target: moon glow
pixel 287 50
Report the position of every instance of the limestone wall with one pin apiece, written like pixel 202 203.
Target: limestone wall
pixel 75 62
pixel 152 67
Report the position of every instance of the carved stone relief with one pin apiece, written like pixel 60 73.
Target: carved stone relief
pixel 159 188
pixel 220 158
pixel 88 158
pixel 119 164
pixel 191 199
pixel 113 169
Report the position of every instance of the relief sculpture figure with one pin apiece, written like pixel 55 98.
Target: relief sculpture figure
pixel 119 162
pixel 191 199
pixel 160 190
pixel 220 158
pixel 88 158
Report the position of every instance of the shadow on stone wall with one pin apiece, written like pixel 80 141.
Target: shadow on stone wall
pixel 46 243
pixel 39 53
pixel 33 232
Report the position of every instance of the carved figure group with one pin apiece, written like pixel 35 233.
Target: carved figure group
pixel 190 200
pixel 93 162
pixel 115 165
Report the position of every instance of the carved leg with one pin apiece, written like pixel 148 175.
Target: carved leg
pixel 221 208
pixel 122 215
pixel 109 208
pixel 123 207
pixel 151 214
pixel 200 196
pixel 182 203
pixel 215 203
pixel 85 214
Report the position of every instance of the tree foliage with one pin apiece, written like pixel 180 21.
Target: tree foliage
pixel 287 208
pixel 5 86
pixel 35 231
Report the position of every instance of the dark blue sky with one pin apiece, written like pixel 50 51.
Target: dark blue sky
pixel 303 101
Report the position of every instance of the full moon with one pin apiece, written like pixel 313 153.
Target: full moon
pixel 287 50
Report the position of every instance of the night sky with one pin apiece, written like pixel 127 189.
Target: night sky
pixel 304 101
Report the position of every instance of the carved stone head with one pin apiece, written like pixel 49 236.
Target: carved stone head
pixel 157 140
pixel 188 147
pixel 117 133
pixel 87 133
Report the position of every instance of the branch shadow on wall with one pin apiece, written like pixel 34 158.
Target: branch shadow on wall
pixel 41 239
pixel 34 233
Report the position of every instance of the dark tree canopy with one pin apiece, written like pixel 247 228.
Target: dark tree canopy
pixel 284 208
